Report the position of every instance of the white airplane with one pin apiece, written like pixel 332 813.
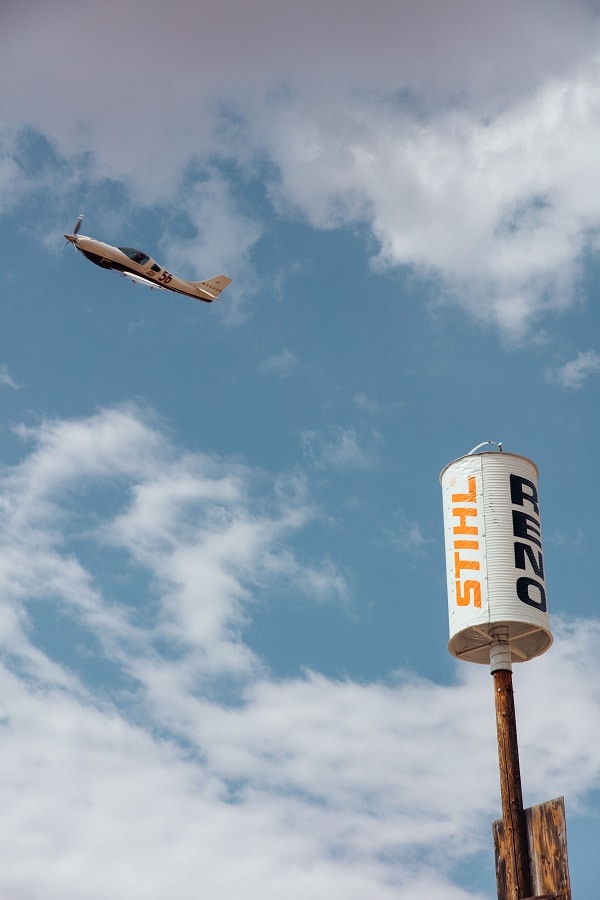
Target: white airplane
pixel 142 269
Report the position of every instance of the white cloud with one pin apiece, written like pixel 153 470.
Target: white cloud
pixel 223 235
pixel 500 210
pixel 140 788
pixel 12 183
pixel 426 48
pixel 280 364
pixel 367 404
pixel 188 521
pixel 574 373
pixel 467 151
pixel 6 379
pixel 340 448
pixel 324 583
pixel 576 763
pixel 408 537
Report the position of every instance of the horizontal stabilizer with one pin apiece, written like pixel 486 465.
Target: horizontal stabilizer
pixel 212 287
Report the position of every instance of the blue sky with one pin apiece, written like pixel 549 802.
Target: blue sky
pixel 223 618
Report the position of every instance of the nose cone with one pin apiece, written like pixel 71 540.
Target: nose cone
pixel 71 238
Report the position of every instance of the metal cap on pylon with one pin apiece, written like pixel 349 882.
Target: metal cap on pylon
pixel 494 556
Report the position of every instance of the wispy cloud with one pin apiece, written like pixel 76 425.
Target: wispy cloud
pixel 408 537
pixel 134 326
pixel 280 364
pixel 6 379
pixel 339 448
pixel 574 373
pixel 223 235
pixel 367 404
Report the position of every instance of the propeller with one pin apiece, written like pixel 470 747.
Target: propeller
pixel 76 228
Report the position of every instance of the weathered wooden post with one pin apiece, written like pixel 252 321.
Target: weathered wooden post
pixel 516 853
pixel 498 615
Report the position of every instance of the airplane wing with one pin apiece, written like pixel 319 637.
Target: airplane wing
pixel 137 279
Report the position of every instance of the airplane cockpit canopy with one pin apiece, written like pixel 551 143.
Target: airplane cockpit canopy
pixel 136 255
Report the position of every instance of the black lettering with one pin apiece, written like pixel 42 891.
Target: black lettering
pixel 524 550
pixel 524 585
pixel 526 526
pixel 518 495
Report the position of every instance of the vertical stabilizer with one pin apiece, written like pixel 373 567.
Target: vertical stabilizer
pixel 212 287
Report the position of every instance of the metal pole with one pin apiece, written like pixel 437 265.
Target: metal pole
pixel 518 878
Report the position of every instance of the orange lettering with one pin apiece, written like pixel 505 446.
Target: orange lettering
pixel 460 564
pixel 468 592
pixel 471 497
pixel 470 588
pixel 462 513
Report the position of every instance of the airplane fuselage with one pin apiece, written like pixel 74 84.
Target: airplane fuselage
pixel 140 267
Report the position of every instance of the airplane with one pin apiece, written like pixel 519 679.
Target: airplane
pixel 142 269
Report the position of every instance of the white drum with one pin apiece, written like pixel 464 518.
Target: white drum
pixel 494 556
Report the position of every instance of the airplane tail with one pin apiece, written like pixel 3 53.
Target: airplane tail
pixel 212 287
